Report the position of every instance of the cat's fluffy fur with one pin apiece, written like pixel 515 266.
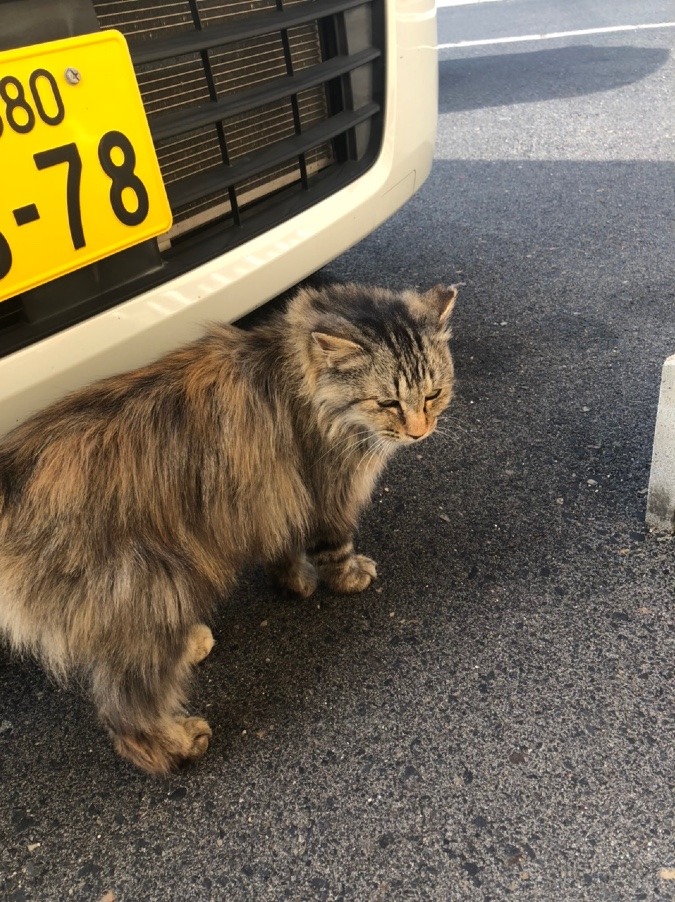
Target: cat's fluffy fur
pixel 128 508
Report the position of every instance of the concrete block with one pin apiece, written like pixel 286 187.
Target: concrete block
pixel 661 496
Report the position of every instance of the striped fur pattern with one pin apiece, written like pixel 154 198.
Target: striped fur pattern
pixel 128 508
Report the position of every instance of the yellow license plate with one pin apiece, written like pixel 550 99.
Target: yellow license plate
pixel 79 177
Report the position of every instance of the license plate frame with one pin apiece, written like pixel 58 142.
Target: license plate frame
pixel 80 175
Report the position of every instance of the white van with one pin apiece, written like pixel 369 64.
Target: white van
pixel 164 164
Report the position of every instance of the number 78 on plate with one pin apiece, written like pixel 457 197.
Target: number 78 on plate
pixel 80 177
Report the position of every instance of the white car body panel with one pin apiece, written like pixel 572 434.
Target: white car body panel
pixel 142 328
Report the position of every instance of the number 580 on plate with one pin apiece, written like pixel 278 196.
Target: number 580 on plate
pixel 80 177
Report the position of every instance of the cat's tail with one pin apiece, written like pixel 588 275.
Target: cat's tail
pixel 7 480
pixel 5 505
pixel 17 465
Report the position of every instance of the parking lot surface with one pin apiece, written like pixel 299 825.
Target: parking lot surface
pixel 494 719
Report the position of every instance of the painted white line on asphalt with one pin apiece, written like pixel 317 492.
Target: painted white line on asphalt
pixel 555 34
pixel 464 2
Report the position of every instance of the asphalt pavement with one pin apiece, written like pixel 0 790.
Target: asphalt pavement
pixel 494 719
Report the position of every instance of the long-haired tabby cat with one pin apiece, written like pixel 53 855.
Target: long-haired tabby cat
pixel 128 508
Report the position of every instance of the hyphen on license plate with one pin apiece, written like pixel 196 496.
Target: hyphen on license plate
pixel 79 173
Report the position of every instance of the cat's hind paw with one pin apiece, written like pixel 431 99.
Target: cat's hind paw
pixel 169 746
pixel 198 733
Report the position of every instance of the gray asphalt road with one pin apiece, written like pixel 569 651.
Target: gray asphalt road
pixel 511 18
pixel 495 719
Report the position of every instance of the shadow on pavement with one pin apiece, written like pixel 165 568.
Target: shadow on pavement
pixel 505 79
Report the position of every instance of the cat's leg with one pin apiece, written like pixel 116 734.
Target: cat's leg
pixel 340 568
pixel 295 573
pixel 140 697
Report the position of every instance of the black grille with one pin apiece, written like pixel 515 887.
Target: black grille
pixel 258 109
pixel 254 111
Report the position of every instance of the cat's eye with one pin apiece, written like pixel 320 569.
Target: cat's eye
pixel 433 395
pixel 387 404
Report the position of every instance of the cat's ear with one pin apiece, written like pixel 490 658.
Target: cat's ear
pixel 441 299
pixel 338 352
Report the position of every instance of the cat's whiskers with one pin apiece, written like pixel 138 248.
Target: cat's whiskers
pixel 345 442
pixel 451 421
pixel 445 436
pixel 355 451
pixel 379 448
pixel 450 431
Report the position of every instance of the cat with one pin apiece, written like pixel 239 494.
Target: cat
pixel 128 508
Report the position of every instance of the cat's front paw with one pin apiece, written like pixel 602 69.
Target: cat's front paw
pixel 200 643
pixel 298 576
pixel 352 575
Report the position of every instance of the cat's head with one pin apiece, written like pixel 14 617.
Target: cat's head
pixel 377 361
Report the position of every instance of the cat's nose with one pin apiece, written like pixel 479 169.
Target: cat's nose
pixel 415 437
pixel 416 425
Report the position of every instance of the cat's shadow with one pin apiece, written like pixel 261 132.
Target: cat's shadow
pixel 274 652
